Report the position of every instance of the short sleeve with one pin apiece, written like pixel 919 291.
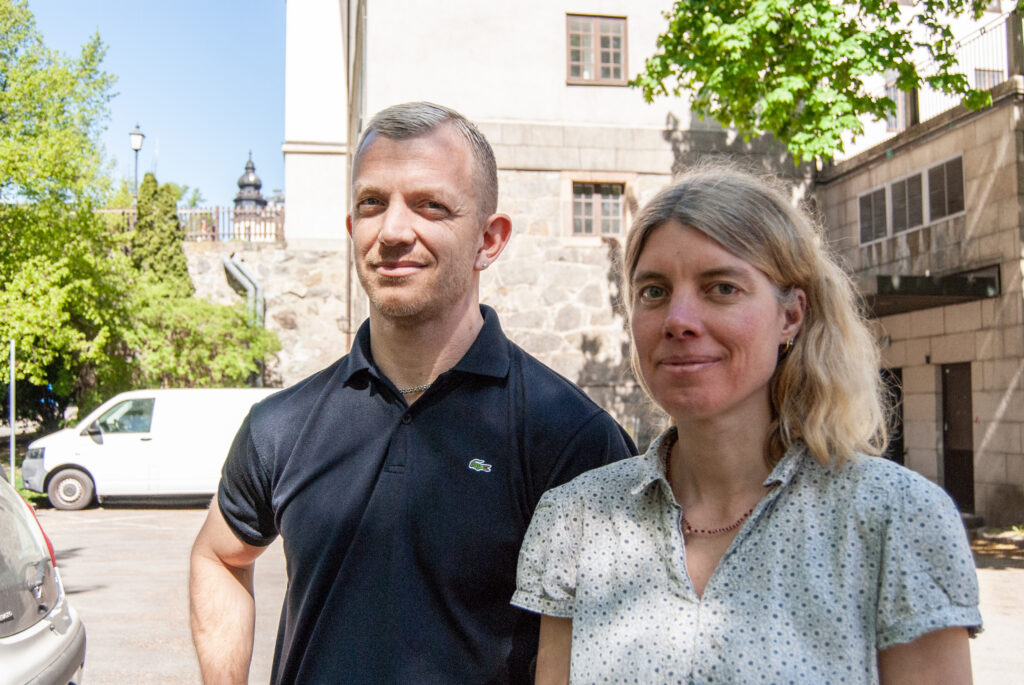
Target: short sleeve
pixel 927 577
pixel 244 492
pixel 546 574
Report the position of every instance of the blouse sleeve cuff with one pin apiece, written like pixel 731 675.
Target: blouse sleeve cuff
pixel 915 626
pixel 541 605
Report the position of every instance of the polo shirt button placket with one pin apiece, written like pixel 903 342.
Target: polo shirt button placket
pixel 407 419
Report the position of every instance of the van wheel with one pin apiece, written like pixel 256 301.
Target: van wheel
pixel 70 489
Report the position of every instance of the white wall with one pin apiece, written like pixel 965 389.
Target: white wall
pixel 506 61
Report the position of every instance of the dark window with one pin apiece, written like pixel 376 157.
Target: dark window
pixel 907 204
pixel 130 416
pixel 597 208
pixel 946 189
pixel 596 49
pixel 872 216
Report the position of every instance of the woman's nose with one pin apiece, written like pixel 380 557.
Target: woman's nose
pixel 683 317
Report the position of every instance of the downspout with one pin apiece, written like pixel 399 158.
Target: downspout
pixel 255 304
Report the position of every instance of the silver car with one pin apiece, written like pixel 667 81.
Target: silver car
pixel 42 639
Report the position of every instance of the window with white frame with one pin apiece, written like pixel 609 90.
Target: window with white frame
pixel 986 79
pixel 596 49
pixel 898 119
pixel 597 208
pixel 907 203
pixel 946 189
pixel 914 201
pixel 872 216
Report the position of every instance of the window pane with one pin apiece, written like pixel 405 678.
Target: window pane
pixel 915 202
pixel 130 416
pixel 899 206
pixel 954 186
pixel 878 212
pixel 865 219
pixel 937 192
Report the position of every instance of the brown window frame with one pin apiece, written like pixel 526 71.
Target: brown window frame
pixel 595 61
pixel 597 203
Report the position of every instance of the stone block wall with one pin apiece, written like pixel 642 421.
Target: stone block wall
pixel 305 293
pixel 987 333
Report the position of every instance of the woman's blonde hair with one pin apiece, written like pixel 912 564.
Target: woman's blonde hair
pixel 827 389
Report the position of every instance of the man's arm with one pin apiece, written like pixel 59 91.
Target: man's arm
pixel 942 657
pixel 222 607
pixel 553 650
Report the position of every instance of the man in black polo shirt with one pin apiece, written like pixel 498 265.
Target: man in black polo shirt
pixel 401 478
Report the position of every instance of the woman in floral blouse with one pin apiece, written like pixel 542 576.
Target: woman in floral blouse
pixel 760 538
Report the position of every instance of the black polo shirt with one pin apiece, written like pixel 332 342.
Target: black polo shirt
pixel 402 524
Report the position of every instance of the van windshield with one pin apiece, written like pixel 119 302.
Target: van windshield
pixel 129 416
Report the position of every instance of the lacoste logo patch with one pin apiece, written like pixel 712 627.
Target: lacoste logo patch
pixel 480 465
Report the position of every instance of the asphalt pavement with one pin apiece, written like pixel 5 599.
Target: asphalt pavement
pixel 126 572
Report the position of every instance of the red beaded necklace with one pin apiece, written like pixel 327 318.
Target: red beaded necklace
pixel 690 530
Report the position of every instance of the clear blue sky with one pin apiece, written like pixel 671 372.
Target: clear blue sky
pixel 204 79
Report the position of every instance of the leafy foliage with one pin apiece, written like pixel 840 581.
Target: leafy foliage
pixel 156 240
pixel 94 307
pixel 797 68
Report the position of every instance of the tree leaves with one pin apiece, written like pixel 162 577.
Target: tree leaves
pixel 799 68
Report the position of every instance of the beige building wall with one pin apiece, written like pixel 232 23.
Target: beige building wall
pixel 987 333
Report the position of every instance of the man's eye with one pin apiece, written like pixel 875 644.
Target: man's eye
pixel 435 207
pixel 724 289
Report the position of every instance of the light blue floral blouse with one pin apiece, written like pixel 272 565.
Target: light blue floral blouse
pixel 833 565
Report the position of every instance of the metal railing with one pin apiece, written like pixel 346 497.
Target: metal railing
pixel 215 224
pixel 982 56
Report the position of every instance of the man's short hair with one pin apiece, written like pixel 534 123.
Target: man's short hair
pixel 415 119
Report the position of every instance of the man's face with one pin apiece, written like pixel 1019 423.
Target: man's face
pixel 415 225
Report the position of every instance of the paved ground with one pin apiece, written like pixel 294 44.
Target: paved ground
pixel 126 573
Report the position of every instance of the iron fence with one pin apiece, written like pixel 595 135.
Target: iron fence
pixel 215 224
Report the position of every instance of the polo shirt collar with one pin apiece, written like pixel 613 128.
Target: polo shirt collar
pixel 652 464
pixel 489 355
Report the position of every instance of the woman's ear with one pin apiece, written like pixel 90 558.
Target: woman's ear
pixel 794 313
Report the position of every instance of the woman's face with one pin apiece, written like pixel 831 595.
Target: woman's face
pixel 707 327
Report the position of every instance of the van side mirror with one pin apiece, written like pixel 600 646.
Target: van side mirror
pixel 95 433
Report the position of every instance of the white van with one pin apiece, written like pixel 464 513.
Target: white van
pixel 140 443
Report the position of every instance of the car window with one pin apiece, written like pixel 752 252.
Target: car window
pixel 129 416
pixel 28 586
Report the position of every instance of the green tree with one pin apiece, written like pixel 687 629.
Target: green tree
pixel 62 281
pixel 797 68
pixel 94 308
pixel 157 239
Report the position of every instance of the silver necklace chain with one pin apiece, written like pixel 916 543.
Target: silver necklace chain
pixel 417 388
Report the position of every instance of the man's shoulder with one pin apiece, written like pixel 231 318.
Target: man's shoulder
pixel 557 409
pixel 284 412
pixel 545 387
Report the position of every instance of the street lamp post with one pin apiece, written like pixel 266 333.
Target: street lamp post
pixel 135 137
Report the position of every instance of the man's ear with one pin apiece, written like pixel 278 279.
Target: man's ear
pixel 497 231
pixel 348 224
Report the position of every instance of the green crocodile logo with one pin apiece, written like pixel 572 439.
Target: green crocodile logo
pixel 480 465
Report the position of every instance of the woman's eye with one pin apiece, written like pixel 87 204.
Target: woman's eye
pixel 651 292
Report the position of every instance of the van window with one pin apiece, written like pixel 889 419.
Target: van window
pixel 130 416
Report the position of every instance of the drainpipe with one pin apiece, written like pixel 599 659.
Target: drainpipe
pixel 239 275
pixel 254 301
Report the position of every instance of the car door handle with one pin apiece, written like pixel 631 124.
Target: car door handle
pixel 145 439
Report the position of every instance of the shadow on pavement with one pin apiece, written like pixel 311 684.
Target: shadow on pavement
pixel 996 555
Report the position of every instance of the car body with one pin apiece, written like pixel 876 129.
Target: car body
pixel 42 639
pixel 143 443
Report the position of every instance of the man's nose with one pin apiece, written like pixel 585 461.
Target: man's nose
pixel 396 225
